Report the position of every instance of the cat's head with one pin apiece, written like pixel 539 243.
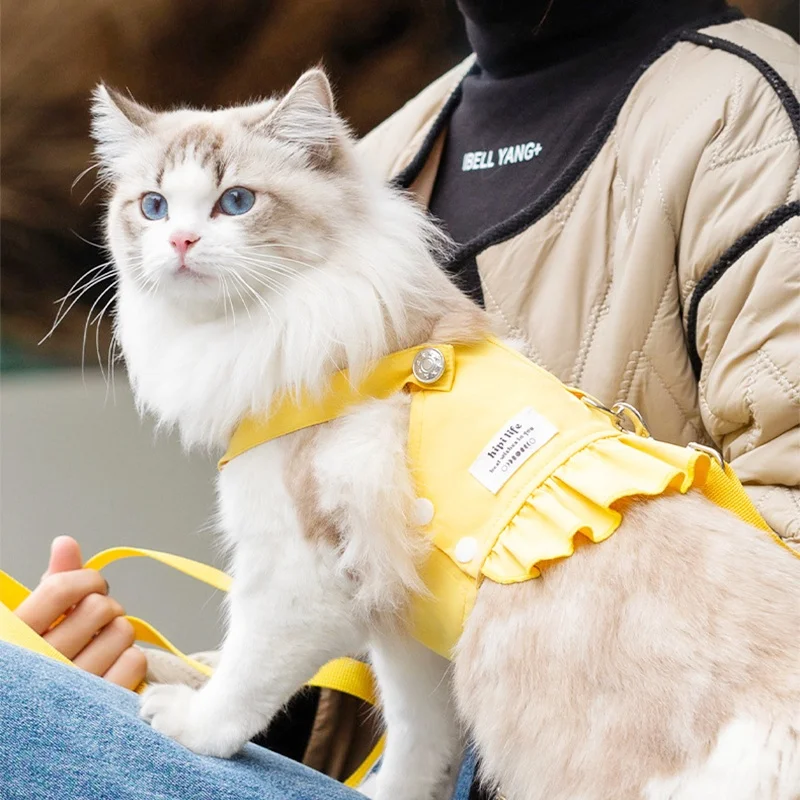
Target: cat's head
pixel 210 208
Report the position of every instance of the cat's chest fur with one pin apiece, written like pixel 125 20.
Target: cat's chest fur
pixel 200 378
pixel 319 492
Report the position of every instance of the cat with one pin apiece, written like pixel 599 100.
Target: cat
pixel 256 255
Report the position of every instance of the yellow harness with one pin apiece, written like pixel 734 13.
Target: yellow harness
pixel 511 466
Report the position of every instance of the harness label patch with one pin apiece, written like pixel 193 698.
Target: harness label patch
pixel 511 447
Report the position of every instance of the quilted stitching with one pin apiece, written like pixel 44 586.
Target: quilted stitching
pixel 781 379
pixel 656 160
pixel 689 415
pixel 599 309
pixel 633 362
pixel 736 106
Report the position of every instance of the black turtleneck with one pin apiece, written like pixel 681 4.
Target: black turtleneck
pixel 547 72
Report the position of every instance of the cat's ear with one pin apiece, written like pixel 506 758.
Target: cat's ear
pixel 306 117
pixel 117 122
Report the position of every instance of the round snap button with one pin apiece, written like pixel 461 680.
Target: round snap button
pixel 466 550
pixel 428 365
pixel 423 511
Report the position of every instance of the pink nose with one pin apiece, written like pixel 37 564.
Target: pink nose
pixel 183 241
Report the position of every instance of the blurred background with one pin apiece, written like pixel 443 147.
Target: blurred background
pixel 74 457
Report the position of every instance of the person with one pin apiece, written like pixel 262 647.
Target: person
pixel 92 630
pixel 621 181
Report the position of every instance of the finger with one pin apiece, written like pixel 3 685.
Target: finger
pixel 129 669
pixel 91 615
pixel 56 594
pixel 100 654
pixel 65 555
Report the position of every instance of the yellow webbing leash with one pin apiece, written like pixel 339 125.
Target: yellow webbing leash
pixel 724 488
pixel 346 675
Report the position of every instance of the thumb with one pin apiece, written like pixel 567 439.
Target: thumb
pixel 65 555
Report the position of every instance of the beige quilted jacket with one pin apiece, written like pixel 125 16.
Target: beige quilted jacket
pixel 665 271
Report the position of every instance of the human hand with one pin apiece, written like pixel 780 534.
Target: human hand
pixel 93 633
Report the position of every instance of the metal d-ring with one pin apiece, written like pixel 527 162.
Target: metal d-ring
pixel 626 417
pixel 709 451
pixel 629 419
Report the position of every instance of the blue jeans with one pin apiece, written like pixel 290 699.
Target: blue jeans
pixel 66 735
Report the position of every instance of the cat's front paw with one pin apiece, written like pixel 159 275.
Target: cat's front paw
pixel 178 712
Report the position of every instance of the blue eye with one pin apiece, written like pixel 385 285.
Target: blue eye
pixel 236 201
pixel 154 205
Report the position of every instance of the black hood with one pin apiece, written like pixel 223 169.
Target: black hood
pixel 513 36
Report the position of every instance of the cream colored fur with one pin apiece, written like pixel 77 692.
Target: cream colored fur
pixel 661 664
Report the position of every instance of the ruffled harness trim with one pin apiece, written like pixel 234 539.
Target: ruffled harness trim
pixel 577 500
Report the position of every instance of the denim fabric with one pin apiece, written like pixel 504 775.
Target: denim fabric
pixel 66 735
pixel 466 776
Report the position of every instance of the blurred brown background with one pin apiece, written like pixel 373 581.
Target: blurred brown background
pixel 204 52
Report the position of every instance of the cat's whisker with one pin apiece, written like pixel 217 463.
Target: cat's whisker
pixel 256 296
pixel 262 301
pixel 275 288
pixel 148 283
pixel 236 288
pixel 300 262
pixel 262 278
pixel 299 248
pixel 83 174
pixel 275 258
pixel 76 286
pixel 273 251
pixel 271 247
pixel 224 298
pixel 97 323
pixel 86 328
pixel 87 241
pixel 228 299
pixel 259 300
pixel 265 267
pixel 62 313
pixel 112 352
pixel 98 185
pixel 268 278
pixel 233 308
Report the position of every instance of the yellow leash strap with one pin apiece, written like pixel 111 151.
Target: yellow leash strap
pixel 346 675
pixel 12 592
pixel 388 376
pixel 194 569
pixel 724 488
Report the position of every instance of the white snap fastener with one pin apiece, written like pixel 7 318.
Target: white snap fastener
pixel 423 511
pixel 428 365
pixel 466 550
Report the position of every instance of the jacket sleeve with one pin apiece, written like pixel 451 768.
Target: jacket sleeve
pixel 739 265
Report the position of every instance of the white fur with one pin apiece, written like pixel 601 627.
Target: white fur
pixel 424 742
pixel 371 493
pixel 752 759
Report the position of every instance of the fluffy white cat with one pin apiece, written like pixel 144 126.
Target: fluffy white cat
pixel 255 254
